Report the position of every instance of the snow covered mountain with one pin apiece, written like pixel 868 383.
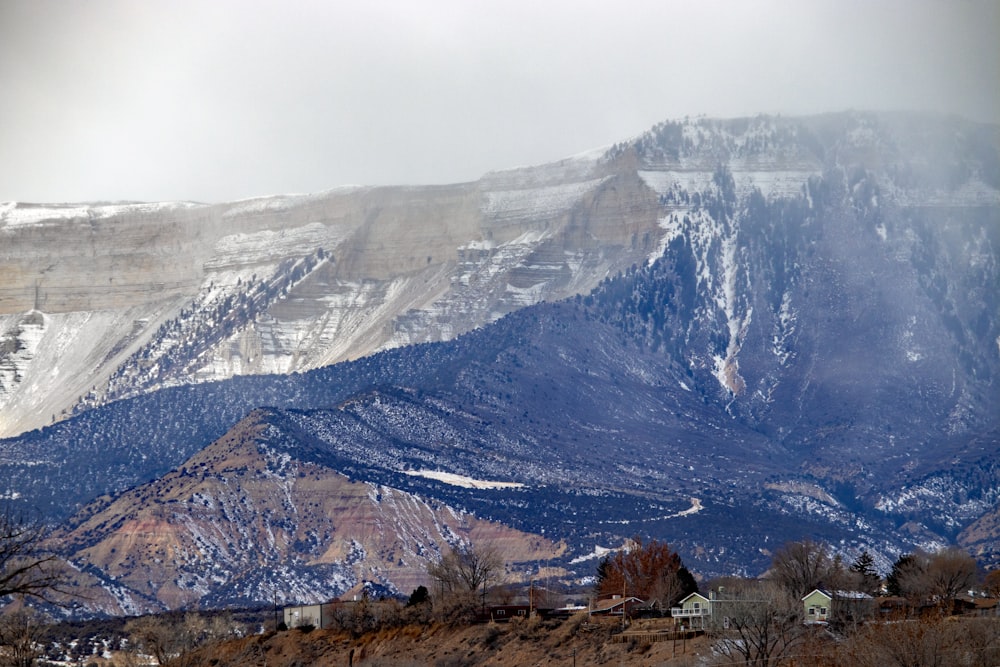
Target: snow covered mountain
pixel 100 302
pixel 779 328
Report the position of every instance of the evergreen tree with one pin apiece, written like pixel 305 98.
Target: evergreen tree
pixel 902 570
pixel 418 596
pixel 868 580
pixel 688 583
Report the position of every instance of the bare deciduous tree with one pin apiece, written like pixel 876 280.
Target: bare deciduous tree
pixel 467 568
pixel 757 624
pixel 927 642
pixel 153 636
pixel 174 637
pixel 991 583
pixel 800 567
pixel 26 567
pixel 941 576
pixel 950 573
pixel 21 638
pixel 461 578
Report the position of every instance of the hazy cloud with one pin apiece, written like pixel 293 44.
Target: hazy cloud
pixel 211 101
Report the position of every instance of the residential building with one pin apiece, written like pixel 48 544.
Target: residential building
pixel 693 611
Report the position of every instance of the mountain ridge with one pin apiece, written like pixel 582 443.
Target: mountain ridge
pixel 241 512
pixel 123 290
pixel 807 349
pixel 154 275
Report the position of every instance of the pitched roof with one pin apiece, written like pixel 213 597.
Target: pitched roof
pixel 610 603
pixel 851 595
pixel 817 590
pixel 840 595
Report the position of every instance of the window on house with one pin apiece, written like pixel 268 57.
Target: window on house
pixel 812 611
pixel 822 611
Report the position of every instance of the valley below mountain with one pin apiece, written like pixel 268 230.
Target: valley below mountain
pixel 724 334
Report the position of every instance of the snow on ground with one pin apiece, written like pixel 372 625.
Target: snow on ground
pixel 663 181
pixel 972 193
pixel 15 214
pixel 578 167
pixel 598 552
pixel 536 202
pixel 462 480
pixel 283 202
pixel 771 182
pixel 696 507
pixel 673 227
pixel 242 249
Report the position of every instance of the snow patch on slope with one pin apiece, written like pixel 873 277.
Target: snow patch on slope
pixel 41 371
pixel 462 480
pixel 540 202
pixel 17 214
pixel 727 368
pixel 974 192
pixel 771 182
pixel 243 249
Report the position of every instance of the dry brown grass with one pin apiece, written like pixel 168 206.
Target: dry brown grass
pixel 529 642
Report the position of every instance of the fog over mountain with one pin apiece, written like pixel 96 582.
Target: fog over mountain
pixel 213 102
pixel 723 333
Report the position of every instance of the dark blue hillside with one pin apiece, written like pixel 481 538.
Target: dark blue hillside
pixel 57 469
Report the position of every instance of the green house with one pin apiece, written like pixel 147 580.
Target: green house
pixel 693 611
pixel 816 606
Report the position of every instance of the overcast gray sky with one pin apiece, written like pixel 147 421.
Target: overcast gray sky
pixel 214 100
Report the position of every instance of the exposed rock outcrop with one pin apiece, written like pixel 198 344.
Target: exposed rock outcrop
pixel 141 296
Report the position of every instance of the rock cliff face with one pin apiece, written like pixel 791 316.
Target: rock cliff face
pixel 100 302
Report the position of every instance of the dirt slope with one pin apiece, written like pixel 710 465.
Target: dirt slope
pixel 533 642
